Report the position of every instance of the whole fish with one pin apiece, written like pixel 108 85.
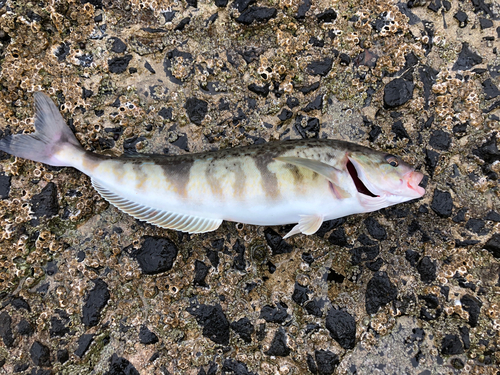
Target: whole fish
pixel 304 181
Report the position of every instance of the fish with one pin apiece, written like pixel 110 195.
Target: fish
pixel 303 182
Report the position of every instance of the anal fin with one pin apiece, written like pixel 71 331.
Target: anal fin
pixel 161 218
pixel 308 224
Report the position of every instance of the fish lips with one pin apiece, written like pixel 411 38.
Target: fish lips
pixel 412 179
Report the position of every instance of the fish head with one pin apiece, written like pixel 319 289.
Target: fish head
pixel 383 179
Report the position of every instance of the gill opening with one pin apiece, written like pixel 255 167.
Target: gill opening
pixel 360 186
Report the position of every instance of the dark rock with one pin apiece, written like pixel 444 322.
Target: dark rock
pixel 118 65
pixel 431 301
pixel 363 253
pixel 488 151
pixel 400 132
pixel 336 277
pixel 344 59
pixel 300 294
pixel 329 225
pixel 148 66
pixel 427 270
pixel 120 366
pixel 45 203
pixel 428 77
pixel 6 329
pixel 326 361
pixel 476 226
pixel 200 272
pixel 62 355
pixel 259 90
pixel 182 142
pixel 40 354
pixel 147 337
pixel 375 230
pixel 321 67
pixel 412 257
pixel 83 344
pixel 397 92
pixel 375 131
pixel 182 24
pixel 276 314
pixel 328 15
pixel 283 116
pixel 440 140
pixel 20 367
pixel 62 51
pixel 315 42
pixel 473 307
pixel 375 265
pixel 485 23
pixel 232 366
pixel 338 237
pixel 490 90
pixel 277 244
pixel 24 328
pixel 460 130
pixel 464 334
pixel 196 110
pixel 493 245
pixel 431 161
pixel 303 9
pixel 278 346
pixel 117 45
pixel 4 185
pixel 214 322
pixel 166 113
pixel 310 129
pixel 239 260
pixel 493 216
pixel 379 292
pixel 308 258
pixel 451 345
pixel 96 299
pixel 460 216
pixel 342 327
pixel 58 327
pixel 292 102
pixel 315 307
pixel 156 255
pixel 467 58
pixel 442 203
pixel 241 5
pixel 257 14
pixel 311 364
pixel 244 328
pixel 462 18
pixel 317 103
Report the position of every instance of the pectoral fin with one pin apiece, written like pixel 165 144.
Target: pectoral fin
pixel 331 173
pixel 308 224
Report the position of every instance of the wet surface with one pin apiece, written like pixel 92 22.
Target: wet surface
pixel 85 288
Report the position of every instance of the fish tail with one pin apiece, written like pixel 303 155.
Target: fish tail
pixel 51 135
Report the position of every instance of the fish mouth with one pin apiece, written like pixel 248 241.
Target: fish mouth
pixel 360 186
pixel 415 182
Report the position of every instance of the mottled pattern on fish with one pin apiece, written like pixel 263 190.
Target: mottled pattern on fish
pixel 303 181
pixel 239 174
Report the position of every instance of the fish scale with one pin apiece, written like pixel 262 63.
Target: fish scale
pixel 302 181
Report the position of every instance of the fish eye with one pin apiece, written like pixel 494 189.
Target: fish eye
pixel 392 160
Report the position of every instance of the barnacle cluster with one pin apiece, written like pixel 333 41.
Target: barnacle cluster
pixel 452 90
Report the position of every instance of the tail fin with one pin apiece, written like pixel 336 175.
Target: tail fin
pixel 51 134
